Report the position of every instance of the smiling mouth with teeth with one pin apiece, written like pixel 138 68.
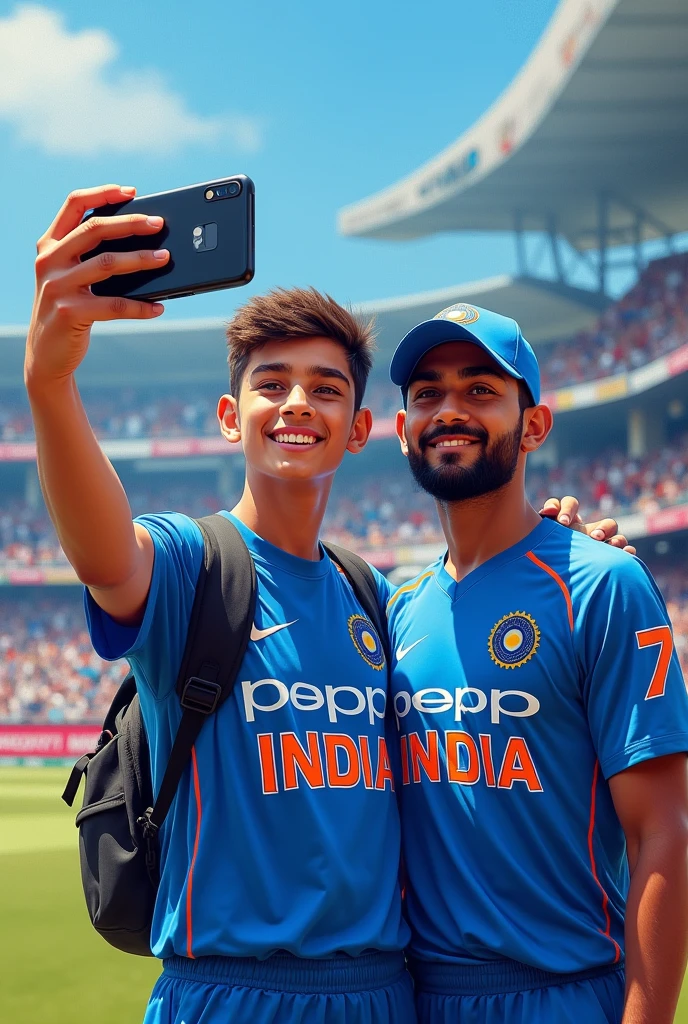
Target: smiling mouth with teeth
pixel 285 438
pixel 456 442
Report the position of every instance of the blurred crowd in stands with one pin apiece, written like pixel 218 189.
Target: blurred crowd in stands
pixel 613 482
pixel 27 536
pixel 127 413
pixel 651 320
pixel 48 670
pixel 387 509
pixel 673 584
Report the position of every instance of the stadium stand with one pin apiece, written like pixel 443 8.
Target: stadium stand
pixel 385 508
pixel 49 673
pixel 648 322
pixel 48 670
pixel 615 372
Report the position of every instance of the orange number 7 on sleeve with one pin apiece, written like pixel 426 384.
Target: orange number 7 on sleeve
pixel 649 638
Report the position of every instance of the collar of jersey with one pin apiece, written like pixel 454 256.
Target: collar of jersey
pixel 264 551
pixel 455 590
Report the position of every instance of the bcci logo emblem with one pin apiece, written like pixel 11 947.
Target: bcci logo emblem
pixel 514 640
pixel 459 313
pixel 366 641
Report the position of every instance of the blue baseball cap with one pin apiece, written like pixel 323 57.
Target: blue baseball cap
pixel 498 335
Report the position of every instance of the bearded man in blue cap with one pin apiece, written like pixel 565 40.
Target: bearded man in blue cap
pixel 543 721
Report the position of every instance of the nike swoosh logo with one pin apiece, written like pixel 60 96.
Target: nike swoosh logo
pixel 403 651
pixel 260 634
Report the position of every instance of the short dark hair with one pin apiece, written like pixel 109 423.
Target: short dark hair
pixel 287 313
pixel 525 399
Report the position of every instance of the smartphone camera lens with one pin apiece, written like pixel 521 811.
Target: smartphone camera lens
pixel 229 191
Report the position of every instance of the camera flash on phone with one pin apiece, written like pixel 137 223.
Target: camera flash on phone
pixel 204 237
pixel 209 194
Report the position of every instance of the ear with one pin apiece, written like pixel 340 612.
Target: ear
pixel 401 430
pixel 228 415
pixel 360 431
pixel 537 423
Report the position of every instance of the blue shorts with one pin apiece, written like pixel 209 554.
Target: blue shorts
pixel 370 989
pixel 505 992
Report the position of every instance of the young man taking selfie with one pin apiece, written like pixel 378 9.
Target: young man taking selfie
pixel 279 898
pixel 543 721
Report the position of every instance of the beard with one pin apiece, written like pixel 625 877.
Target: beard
pixel 450 481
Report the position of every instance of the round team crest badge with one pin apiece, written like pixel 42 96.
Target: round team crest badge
pixel 460 313
pixel 514 640
pixel 366 641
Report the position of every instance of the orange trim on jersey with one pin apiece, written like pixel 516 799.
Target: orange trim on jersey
pixel 557 579
pixel 189 884
pixel 605 898
pixel 409 586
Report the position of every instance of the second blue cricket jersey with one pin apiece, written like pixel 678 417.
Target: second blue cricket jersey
pixel 284 832
pixel 518 692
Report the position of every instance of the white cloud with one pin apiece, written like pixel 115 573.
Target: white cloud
pixel 61 91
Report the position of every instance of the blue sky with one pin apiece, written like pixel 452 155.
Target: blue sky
pixel 321 104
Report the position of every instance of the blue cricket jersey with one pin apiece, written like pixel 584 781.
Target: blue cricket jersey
pixel 284 832
pixel 518 692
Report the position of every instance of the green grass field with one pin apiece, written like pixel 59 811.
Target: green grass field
pixel 55 969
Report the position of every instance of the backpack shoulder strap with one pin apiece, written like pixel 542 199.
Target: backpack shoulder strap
pixel 217 638
pixel 364 584
pixel 221 617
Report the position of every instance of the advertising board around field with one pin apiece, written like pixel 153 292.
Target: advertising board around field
pixel 21 742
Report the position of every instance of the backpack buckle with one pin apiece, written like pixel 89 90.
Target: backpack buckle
pixel 201 695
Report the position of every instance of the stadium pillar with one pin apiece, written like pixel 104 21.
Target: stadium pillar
pixel 637 433
pixel 555 248
pixel 638 242
pixel 645 432
pixel 226 484
pixel 603 239
pixel 521 254
pixel 32 487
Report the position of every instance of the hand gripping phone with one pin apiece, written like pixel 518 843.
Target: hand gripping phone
pixel 209 230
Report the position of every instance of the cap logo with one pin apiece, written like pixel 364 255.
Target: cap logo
pixel 459 313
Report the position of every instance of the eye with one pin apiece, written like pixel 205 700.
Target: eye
pixel 481 389
pixel 426 393
pixel 269 385
pixel 327 389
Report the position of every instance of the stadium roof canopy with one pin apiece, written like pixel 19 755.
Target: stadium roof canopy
pixel 590 140
pixel 194 351
pixel 136 353
pixel 545 310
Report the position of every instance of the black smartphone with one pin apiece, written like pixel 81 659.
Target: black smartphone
pixel 209 230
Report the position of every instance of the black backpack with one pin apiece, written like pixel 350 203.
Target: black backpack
pixel 119 820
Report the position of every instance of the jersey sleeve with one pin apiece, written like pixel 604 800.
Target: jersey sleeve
pixel 155 648
pixel 633 686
